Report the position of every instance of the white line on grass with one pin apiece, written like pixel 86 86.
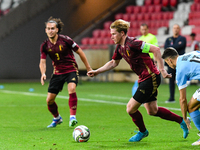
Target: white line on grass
pixel 80 99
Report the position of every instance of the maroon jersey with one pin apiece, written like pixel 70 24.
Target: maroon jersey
pixel 139 62
pixel 61 54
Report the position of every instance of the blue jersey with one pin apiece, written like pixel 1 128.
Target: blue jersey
pixel 187 68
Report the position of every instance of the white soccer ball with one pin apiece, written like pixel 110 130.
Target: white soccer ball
pixel 81 134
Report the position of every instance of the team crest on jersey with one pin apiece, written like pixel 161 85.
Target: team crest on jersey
pixel 50 50
pixel 60 47
pixel 128 52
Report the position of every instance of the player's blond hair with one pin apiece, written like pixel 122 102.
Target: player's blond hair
pixel 120 25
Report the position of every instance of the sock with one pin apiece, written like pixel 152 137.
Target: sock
pixel 168 115
pixel 138 120
pixel 53 108
pixel 195 115
pixel 73 103
pixel 74 116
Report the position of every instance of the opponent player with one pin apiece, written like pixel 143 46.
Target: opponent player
pixel 135 52
pixel 187 68
pixel 60 49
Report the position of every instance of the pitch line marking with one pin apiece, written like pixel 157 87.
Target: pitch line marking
pixel 80 99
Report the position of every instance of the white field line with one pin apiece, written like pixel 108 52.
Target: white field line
pixel 80 99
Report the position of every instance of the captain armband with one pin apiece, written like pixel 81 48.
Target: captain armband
pixel 145 47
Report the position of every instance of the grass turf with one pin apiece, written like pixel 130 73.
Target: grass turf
pixel 101 107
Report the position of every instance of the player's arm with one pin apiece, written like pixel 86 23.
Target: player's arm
pixel 183 105
pixel 84 59
pixel 108 66
pixel 157 55
pixel 42 67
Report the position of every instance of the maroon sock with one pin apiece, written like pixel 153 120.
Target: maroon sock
pixel 138 120
pixel 73 103
pixel 168 115
pixel 53 109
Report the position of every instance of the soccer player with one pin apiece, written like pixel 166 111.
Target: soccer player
pixel 179 43
pixel 187 68
pixel 135 52
pixel 60 49
pixel 148 37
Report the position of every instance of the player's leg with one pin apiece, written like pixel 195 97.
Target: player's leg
pixel 53 108
pixel 72 103
pixel 154 110
pixel 193 109
pixel 55 86
pixel 132 110
pixel 72 81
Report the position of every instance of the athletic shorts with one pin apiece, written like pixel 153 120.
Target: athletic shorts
pixel 147 90
pixel 196 95
pixel 57 81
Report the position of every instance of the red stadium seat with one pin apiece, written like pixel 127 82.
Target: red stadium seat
pixel 144 9
pixel 99 41
pixel 133 17
pixel 173 3
pixel 196 30
pixel 107 24
pixel 153 16
pixel 85 41
pixel 126 17
pixel 105 33
pixel 159 16
pixel 107 41
pixel 96 33
pixel 153 30
pixel 147 2
pixel 165 3
pixel 129 9
pixel 140 17
pixel 92 41
pixel 193 7
pixel 151 8
pixel 118 16
pixel 147 16
pixel 134 24
pixel 136 9
pixel 156 2
pixel 158 8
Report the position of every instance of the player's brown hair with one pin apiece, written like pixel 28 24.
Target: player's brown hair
pixel 120 25
pixel 57 21
pixel 170 52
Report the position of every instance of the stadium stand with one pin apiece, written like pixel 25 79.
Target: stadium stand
pixel 160 15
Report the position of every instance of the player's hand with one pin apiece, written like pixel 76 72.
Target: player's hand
pixel 92 73
pixel 43 77
pixel 165 74
pixel 188 122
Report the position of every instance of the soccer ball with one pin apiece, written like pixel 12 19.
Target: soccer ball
pixel 81 134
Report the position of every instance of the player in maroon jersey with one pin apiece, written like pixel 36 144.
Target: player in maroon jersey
pixel 60 49
pixel 135 52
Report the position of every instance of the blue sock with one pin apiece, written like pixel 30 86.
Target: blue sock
pixel 195 115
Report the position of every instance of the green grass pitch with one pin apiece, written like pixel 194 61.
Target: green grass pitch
pixel 101 107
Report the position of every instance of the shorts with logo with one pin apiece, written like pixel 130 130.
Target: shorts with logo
pixel 147 90
pixel 57 81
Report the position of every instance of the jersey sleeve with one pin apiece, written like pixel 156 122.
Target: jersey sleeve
pixel 181 77
pixel 116 55
pixel 71 43
pixel 43 53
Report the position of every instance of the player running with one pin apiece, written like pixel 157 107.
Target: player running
pixel 187 68
pixel 135 52
pixel 60 49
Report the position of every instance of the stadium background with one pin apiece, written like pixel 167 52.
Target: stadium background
pixel 87 22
